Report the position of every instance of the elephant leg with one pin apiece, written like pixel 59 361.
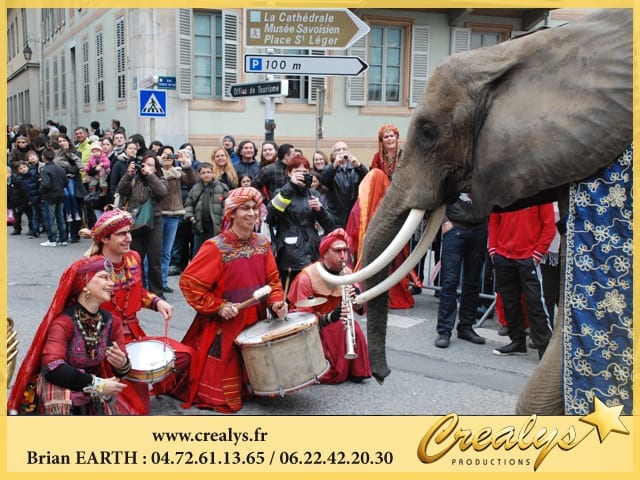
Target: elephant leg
pixel 542 395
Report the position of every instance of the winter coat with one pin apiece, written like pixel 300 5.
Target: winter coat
pixel 17 192
pixel 32 182
pixel 136 190
pixel 53 181
pixel 297 242
pixel 172 203
pixel 193 205
pixel 342 185
pixel 71 164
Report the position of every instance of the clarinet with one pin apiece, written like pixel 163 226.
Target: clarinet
pixel 350 330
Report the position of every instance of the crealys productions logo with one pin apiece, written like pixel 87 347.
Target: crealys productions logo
pixel 447 438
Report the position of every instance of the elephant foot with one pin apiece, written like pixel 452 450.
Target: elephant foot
pixel 380 373
pixel 380 380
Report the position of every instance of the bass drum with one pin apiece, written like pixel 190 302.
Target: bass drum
pixel 283 355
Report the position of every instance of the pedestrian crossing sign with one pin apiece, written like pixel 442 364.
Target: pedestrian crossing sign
pixel 153 103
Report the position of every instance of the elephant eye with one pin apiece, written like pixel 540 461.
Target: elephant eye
pixel 429 134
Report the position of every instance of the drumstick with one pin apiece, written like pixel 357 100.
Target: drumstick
pixel 286 283
pixel 257 295
pixel 166 334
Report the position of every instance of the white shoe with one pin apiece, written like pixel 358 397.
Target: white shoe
pixel 63 244
pixel 48 244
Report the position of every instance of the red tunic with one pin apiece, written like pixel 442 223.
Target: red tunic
pixel 225 269
pixel 129 297
pixel 333 336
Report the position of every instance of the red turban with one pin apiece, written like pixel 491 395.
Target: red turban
pixel 237 197
pixel 110 221
pixel 331 238
pixel 86 268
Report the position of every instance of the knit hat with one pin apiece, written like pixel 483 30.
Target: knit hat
pixel 96 146
pixel 233 140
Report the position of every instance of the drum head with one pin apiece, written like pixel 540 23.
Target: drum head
pixel 148 355
pixel 293 322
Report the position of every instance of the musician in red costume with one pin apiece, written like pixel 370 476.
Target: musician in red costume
pixel 77 355
pixel 226 271
pixel 334 252
pixel 111 237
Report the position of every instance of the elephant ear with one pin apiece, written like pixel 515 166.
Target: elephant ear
pixel 559 108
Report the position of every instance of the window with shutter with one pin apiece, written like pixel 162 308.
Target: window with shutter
pixel 315 83
pixel 420 48
pixel 56 105
pixel 63 81
pixel 121 60
pixel 86 96
pixel 230 52
pixel 460 40
pixel 100 67
pixel 356 93
pixel 184 26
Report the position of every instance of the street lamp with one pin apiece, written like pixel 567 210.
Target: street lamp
pixel 27 52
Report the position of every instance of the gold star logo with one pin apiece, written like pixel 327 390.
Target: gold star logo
pixel 605 419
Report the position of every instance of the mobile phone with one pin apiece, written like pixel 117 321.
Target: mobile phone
pixel 172 156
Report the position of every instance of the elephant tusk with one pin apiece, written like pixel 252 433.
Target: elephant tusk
pixel 410 225
pixel 431 230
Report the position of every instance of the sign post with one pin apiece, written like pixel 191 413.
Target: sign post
pixel 304 65
pixel 152 104
pixel 322 29
pixel 270 87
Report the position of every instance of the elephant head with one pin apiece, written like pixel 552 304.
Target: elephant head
pixel 509 122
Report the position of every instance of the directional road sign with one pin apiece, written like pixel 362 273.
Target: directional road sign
pixel 328 65
pixel 275 88
pixel 322 29
pixel 152 103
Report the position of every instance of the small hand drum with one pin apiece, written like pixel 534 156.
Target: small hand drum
pixel 151 361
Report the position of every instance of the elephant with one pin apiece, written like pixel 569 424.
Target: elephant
pixel 515 123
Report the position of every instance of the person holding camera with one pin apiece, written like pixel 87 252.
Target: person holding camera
pixel 342 177
pixel 144 180
pixel 294 211
pixel 178 171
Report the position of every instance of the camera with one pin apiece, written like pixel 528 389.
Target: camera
pixel 307 179
pixel 345 156
pixel 172 156
pixel 137 164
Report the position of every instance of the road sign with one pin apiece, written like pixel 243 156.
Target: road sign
pixel 274 88
pixel 304 65
pixel 167 83
pixel 323 29
pixel 152 103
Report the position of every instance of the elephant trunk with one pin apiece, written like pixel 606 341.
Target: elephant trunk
pixel 382 229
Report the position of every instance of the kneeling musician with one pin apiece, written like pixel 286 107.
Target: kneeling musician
pixel 343 342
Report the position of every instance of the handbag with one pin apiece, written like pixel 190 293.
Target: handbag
pixel 10 216
pixel 142 216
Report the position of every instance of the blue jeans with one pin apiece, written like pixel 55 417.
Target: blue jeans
pixel 40 215
pixel 463 253
pixel 169 229
pixel 56 217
